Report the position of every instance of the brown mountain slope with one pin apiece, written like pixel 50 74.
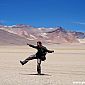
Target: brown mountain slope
pixel 17 35
pixel 62 36
pixel 9 38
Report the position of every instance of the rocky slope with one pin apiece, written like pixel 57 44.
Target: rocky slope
pixel 20 34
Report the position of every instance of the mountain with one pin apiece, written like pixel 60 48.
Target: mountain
pixel 20 34
pixel 79 35
pixel 60 35
pixel 7 38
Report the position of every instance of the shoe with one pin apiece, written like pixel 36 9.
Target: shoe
pixel 22 62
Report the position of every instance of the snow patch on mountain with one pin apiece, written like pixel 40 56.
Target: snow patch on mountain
pixel 33 36
pixel 44 35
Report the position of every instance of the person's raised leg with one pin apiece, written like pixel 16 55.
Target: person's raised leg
pixel 27 59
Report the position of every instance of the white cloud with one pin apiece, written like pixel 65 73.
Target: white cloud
pixel 79 23
pixel 2 22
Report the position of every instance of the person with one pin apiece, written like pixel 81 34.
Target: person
pixel 41 53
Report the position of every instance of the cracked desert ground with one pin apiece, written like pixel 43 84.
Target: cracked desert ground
pixel 63 67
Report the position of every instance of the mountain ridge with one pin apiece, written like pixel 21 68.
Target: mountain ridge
pixel 27 33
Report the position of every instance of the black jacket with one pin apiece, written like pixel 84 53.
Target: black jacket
pixel 41 51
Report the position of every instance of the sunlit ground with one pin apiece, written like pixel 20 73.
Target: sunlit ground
pixel 63 67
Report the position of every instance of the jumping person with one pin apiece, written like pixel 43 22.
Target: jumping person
pixel 41 53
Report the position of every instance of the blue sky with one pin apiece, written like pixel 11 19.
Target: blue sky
pixel 69 14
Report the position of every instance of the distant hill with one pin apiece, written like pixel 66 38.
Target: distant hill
pixel 7 38
pixel 20 34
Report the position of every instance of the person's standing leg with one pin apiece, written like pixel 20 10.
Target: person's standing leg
pixel 39 66
pixel 27 59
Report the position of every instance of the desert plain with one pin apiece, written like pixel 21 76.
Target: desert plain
pixel 66 66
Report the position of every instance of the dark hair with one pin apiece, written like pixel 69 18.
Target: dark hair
pixel 39 42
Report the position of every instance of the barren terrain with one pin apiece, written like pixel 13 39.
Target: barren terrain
pixel 63 67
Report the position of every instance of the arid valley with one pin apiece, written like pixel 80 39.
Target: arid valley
pixel 65 66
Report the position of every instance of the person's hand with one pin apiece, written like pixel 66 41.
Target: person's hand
pixel 52 51
pixel 28 44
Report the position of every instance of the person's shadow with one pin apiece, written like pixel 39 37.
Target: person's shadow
pixel 36 74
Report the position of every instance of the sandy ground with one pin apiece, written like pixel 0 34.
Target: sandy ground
pixel 64 67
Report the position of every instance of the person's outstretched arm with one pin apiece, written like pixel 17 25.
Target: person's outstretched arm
pixel 49 51
pixel 32 45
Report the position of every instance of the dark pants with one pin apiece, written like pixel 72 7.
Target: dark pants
pixel 31 57
pixel 42 58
